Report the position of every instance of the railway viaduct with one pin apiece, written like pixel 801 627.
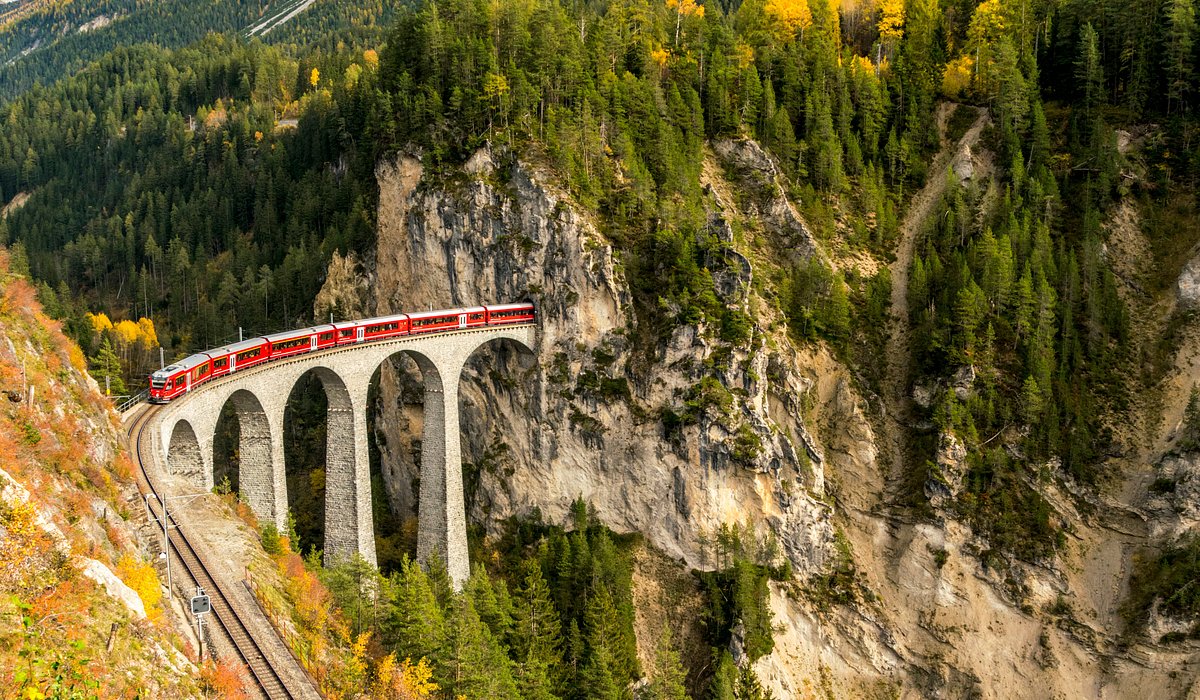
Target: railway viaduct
pixel 184 429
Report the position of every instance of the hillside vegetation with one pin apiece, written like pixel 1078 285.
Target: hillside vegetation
pixel 81 608
pixel 172 184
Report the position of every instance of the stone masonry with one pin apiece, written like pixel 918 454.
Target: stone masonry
pixel 184 431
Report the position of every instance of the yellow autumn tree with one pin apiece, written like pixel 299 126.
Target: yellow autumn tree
pixel 791 17
pixel 408 681
pixel 127 332
pixel 986 29
pixel 100 322
pixel 371 58
pixel 957 76
pixel 684 8
pixel 149 335
pixel 891 22
pixel 314 77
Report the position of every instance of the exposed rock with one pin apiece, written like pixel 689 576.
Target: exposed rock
pixel 945 481
pixel 344 293
pixel 964 382
pixel 1175 494
pixel 755 167
pixel 1187 287
pixel 116 588
pixel 964 163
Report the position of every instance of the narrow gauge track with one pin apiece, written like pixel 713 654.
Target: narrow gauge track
pixel 262 672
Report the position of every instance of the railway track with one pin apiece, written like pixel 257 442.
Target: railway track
pixel 262 672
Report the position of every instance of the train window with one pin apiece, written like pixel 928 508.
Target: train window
pixel 346 332
pixel 475 317
pixel 249 354
pixel 201 371
pixel 221 363
pixel 326 336
pixel 291 344
pixel 179 380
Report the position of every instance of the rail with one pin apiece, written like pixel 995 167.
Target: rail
pixel 262 671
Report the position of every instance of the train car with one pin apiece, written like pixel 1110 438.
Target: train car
pixel 348 332
pixel 510 313
pixel 384 327
pixel 248 353
pixel 300 341
pixel 179 378
pixel 447 320
pixel 221 360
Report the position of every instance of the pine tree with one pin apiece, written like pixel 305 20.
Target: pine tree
pixel 1190 436
pixel 667 682
pixel 596 681
pixel 106 368
pixel 412 622
pixel 471 662
pixel 491 601
pixel 724 681
pixel 1089 79
pixel 749 687
pixel 536 631
pixel 1177 52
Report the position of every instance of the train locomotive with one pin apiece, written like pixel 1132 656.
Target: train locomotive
pixel 181 377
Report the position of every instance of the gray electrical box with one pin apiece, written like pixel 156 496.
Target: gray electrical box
pixel 201 604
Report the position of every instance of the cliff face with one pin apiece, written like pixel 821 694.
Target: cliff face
pixel 578 419
pixel 768 434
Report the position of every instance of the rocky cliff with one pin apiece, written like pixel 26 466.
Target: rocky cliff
pixel 673 436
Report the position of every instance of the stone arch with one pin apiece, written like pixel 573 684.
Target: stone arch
pixel 183 452
pixel 256 468
pixel 347 525
pixel 441 529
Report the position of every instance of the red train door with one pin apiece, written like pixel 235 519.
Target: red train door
pixel 462 320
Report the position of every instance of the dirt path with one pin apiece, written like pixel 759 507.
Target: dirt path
pixel 899 351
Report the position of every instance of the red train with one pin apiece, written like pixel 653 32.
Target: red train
pixel 183 376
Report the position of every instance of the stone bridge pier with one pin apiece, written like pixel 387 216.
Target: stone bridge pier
pixel 185 429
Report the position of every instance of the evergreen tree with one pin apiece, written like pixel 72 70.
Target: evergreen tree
pixel 411 621
pixel 667 681
pixel 1189 438
pixel 106 368
pixel 471 663
pixel 1177 52
pixel 1089 77
pixel 749 687
pixel 536 632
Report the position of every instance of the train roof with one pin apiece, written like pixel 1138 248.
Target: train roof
pixel 382 319
pixel 298 333
pixel 235 347
pixel 447 312
pixel 187 363
pixel 508 307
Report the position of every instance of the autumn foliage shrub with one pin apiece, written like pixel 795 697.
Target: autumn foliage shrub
pixel 143 579
pixel 223 679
